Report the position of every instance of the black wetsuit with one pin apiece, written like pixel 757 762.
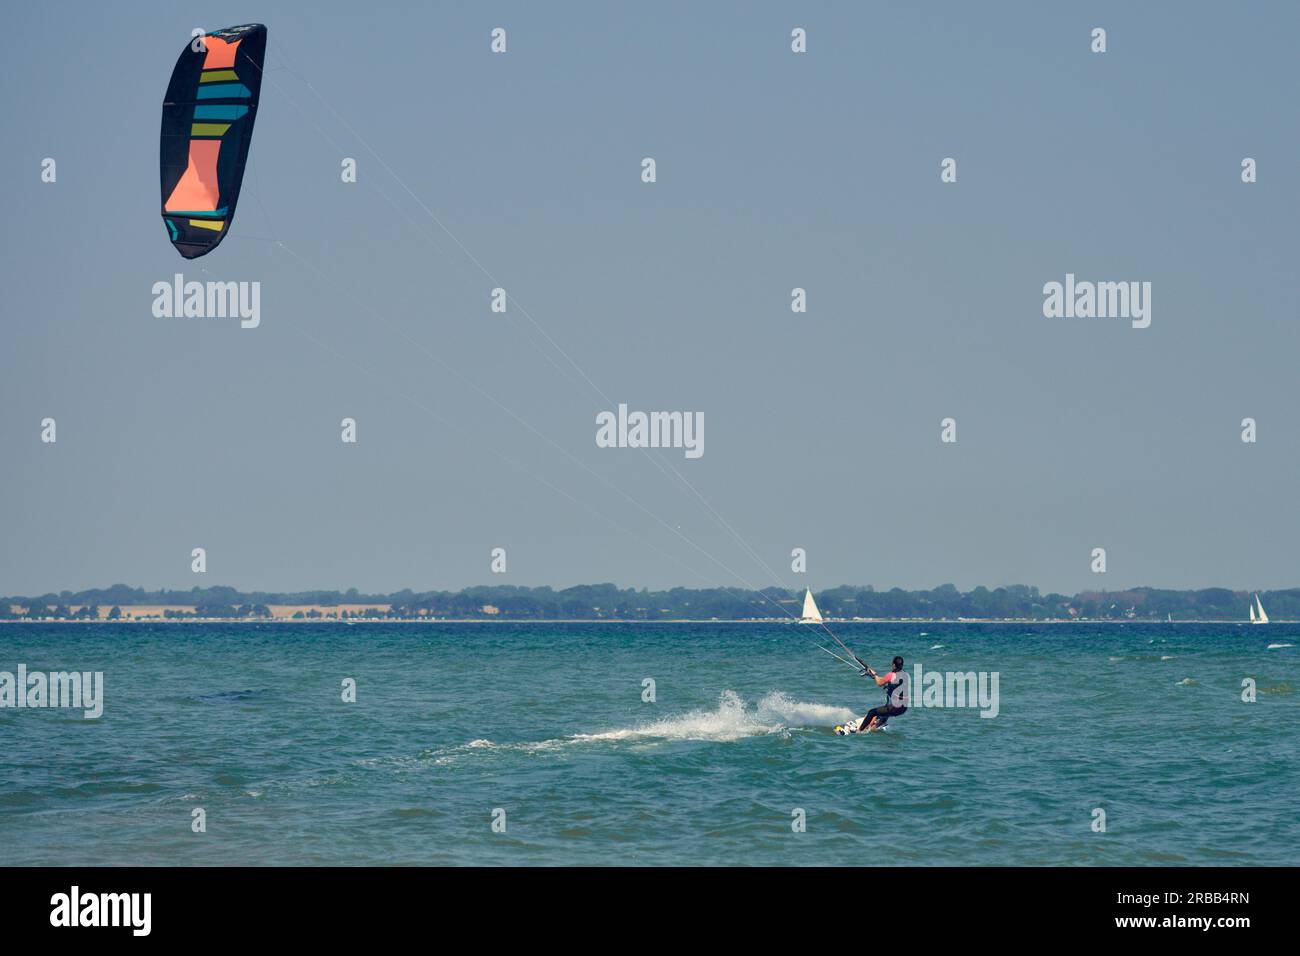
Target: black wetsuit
pixel 896 699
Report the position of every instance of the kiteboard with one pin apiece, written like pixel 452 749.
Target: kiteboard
pixel 852 727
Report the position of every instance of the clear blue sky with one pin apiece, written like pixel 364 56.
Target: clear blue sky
pixel 775 171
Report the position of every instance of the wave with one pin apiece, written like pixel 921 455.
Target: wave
pixel 732 719
pixel 1274 647
pixel 232 696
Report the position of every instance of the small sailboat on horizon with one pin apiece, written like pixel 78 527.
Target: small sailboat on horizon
pixel 1261 617
pixel 810 613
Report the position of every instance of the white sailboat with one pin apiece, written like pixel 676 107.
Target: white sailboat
pixel 810 613
pixel 1261 617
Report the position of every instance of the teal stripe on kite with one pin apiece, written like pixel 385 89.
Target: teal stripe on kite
pixel 172 227
pixel 219 111
pixel 223 91
pixel 216 213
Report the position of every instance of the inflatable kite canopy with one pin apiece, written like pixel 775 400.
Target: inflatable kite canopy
pixel 207 126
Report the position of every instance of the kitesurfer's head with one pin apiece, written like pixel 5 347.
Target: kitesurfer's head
pixel 898 663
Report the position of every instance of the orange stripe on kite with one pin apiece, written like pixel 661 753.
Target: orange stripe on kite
pixel 198 189
pixel 221 54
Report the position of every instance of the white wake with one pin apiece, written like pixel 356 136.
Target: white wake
pixel 732 719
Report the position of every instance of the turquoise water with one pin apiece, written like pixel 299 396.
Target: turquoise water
pixel 547 722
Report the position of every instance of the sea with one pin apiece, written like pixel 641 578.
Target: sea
pixel 549 744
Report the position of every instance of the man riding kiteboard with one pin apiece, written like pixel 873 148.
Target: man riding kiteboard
pixel 897 696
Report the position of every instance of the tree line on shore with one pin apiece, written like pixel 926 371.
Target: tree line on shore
pixel 605 601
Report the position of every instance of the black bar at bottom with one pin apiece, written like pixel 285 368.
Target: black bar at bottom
pixel 329 905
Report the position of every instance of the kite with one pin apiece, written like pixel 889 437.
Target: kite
pixel 207 126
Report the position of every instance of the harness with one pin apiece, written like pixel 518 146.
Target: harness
pixel 890 688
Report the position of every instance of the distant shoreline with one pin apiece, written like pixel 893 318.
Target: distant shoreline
pixel 583 603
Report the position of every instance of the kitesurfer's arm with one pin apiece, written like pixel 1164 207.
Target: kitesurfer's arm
pixel 880 681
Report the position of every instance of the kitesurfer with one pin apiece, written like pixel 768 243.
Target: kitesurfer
pixel 896 696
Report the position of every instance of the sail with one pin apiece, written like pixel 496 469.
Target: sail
pixel 810 613
pixel 207 126
pixel 1252 614
pixel 1261 618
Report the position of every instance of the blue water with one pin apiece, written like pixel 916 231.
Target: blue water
pixel 547 722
